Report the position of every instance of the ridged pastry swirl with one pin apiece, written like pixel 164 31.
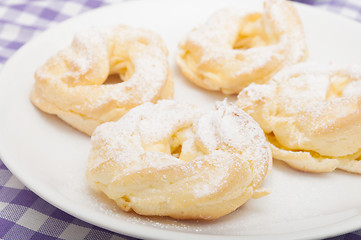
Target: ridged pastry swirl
pixel 173 159
pixel 70 84
pixel 311 113
pixel 233 48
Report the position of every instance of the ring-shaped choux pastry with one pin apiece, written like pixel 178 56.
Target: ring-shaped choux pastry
pixel 173 159
pixel 233 48
pixel 72 84
pixel 311 114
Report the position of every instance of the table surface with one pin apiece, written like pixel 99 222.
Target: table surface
pixel 24 215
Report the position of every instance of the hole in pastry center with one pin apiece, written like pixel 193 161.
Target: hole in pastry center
pixel 176 151
pixel 176 143
pixel 120 71
pixel 336 87
pixel 252 33
pixel 184 146
pixel 113 79
pixel 181 145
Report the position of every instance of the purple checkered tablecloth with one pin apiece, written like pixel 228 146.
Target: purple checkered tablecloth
pixel 24 215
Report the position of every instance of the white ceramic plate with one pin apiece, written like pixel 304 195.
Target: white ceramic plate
pixel 50 157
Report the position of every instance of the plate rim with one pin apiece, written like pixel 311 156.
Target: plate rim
pixel 153 232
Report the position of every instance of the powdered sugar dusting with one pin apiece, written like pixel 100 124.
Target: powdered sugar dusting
pixel 168 120
pixel 78 72
pixel 225 151
pixel 312 82
pixel 208 50
pixel 302 84
pixel 310 106
pixel 124 140
pixel 150 68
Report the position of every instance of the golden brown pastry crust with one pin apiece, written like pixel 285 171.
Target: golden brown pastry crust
pixel 233 49
pixel 311 114
pixel 173 159
pixel 70 84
